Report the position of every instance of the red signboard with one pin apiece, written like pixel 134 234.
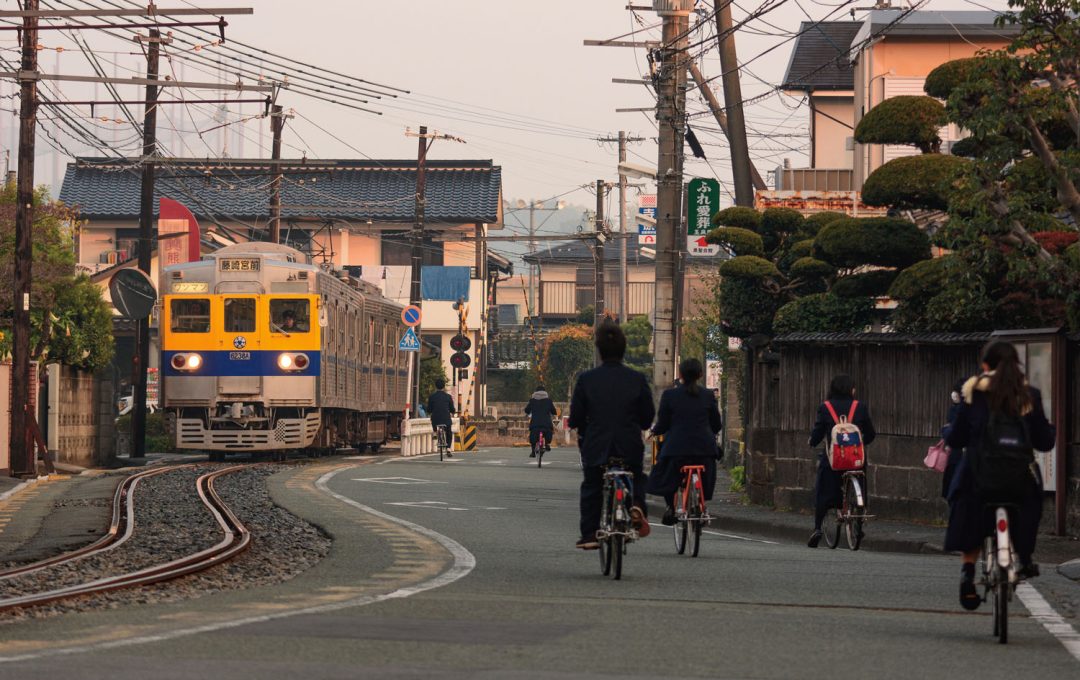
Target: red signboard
pixel 174 217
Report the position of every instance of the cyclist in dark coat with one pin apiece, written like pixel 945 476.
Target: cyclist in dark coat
pixel 440 408
pixel 828 493
pixel 611 406
pixel 1001 388
pixel 689 419
pixel 540 409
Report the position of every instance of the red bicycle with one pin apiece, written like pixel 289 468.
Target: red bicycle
pixel 539 448
pixel 691 516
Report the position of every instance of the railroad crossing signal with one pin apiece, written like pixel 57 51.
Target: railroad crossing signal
pixel 460 344
pixel 409 342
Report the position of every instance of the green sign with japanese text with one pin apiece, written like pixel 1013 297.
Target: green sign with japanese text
pixel 703 199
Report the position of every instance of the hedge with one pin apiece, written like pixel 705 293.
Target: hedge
pixel 748 267
pixel 903 120
pixel 808 268
pixel 874 283
pixel 745 308
pixel 739 241
pixel 914 182
pixel 813 224
pixel 824 313
pixel 922 278
pixel 881 241
pixel 745 218
pixel 945 78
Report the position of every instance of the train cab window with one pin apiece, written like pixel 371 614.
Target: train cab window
pixel 239 315
pixel 290 316
pixel 189 315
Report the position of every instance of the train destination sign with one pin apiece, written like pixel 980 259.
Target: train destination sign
pixel 133 293
pixel 238 264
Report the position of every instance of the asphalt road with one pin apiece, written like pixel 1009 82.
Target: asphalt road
pixel 515 600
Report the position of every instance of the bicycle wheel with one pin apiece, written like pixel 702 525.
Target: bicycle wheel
pixel 856 512
pixel 695 521
pixel 681 527
pixel 1001 605
pixel 830 528
pixel 539 450
pixel 618 547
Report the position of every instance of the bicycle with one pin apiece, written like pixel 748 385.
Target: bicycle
pixel 616 530
pixel 538 448
pixel 690 512
pixel 1001 569
pixel 441 442
pixel 850 516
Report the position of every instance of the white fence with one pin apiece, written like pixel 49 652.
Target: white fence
pixel 417 439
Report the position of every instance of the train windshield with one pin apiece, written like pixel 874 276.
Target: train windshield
pixel 239 315
pixel 189 315
pixel 290 316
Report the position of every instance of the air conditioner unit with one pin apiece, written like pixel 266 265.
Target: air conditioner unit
pixel 849 143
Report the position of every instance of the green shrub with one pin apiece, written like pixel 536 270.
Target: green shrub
pixel 968 147
pixel 748 267
pixel 903 120
pixel 880 241
pixel 808 268
pixel 924 181
pixel 813 224
pixel 923 279
pixel 1072 255
pixel 781 220
pixel 824 313
pixel 941 82
pixel 803 248
pixel 740 241
pixel 745 218
pixel 874 283
pixel 738 479
pixel 745 308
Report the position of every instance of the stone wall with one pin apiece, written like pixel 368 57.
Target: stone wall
pixel 83 415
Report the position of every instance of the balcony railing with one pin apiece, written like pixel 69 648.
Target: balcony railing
pixel 565 299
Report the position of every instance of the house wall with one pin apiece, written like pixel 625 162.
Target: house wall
pixel 902 57
pixel 830 136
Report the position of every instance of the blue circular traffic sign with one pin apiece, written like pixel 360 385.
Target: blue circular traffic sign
pixel 410 316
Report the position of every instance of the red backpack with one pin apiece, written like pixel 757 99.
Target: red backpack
pixel 847 451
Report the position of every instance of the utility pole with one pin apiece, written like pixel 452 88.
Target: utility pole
pixel 22 456
pixel 622 139
pixel 671 61
pixel 598 259
pixel 146 235
pixel 729 64
pixel 277 122
pixel 722 121
pixel 424 142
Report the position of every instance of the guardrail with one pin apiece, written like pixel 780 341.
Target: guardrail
pixel 416 436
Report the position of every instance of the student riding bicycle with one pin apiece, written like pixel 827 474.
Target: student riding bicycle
pixel 828 490
pixel 440 408
pixel 611 406
pixel 689 418
pixel 540 409
pixel 998 407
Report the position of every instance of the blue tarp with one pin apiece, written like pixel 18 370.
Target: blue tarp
pixel 444 283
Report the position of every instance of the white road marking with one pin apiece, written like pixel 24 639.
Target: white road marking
pixel 1053 622
pixel 464 562
pixel 740 538
pixel 400 481
pixel 433 505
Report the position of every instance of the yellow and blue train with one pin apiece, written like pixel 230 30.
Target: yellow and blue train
pixel 263 351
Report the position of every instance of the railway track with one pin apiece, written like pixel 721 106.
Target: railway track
pixel 236 539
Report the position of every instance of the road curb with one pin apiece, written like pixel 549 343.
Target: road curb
pixel 1070 569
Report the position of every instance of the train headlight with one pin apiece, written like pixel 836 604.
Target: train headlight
pixel 194 361
pixel 179 361
pixel 301 361
pixel 285 362
pixel 186 362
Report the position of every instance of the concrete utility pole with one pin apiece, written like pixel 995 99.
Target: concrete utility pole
pixel 722 121
pixel 598 260
pixel 671 62
pixel 146 238
pixel 277 122
pixel 622 139
pixel 22 456
pixel 729 64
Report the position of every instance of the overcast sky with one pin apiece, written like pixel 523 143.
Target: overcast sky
pixel 511 78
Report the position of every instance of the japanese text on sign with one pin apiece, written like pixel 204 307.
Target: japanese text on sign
pixel 233 264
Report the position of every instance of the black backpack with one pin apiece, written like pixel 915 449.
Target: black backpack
pixel 1003 465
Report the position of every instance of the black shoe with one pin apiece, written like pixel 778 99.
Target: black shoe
pixel 546 448
pixel 668 519
pixel 969 595
pixel 587 544
pixel 1030 570
pixel 449 455
pixel 532 454
pixel 815 538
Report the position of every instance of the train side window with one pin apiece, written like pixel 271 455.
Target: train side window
pixel 189 315
pixel 239 315
pixel 290 316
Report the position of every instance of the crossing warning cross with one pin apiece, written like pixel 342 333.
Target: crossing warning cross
pixel 409 342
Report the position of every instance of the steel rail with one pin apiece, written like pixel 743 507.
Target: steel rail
pixel 237 539
pixel 121 527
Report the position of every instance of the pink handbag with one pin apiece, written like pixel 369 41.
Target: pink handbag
pixel 937 456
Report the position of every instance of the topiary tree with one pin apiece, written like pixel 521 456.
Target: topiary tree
pixel 878 241
pixel 869 284
pixel 567 352
pixel 912 120
pixel 745 218
pixel 638 332
pixel 941 82
pixel 813 224
pixel 924 181
pixel 737 240
pixel 431 369
pixel 824 313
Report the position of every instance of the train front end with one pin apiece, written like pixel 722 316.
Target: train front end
pixel 241 356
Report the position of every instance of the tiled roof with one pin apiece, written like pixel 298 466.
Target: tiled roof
pixel 820 59
pixel 378 190
pixel 881 338
pixel 579 251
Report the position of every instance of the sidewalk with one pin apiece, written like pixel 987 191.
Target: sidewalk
pixel 733 513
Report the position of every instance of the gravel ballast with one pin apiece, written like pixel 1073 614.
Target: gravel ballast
pixel 171 522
